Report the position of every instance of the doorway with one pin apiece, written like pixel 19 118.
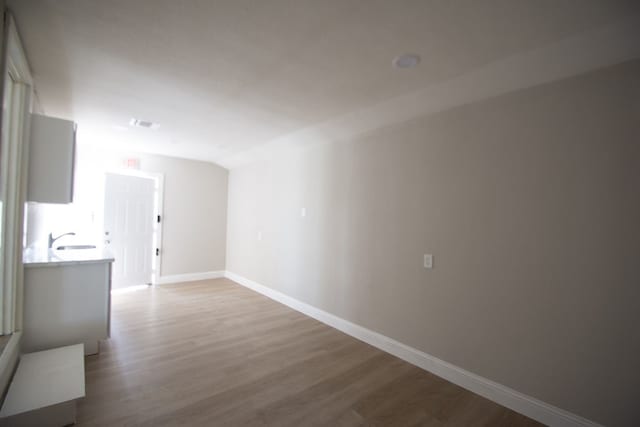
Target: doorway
pixel 132 227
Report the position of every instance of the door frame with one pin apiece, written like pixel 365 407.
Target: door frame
pixel 158 207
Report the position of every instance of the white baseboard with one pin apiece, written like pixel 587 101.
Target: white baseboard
pixel 189 277
pixel 505 396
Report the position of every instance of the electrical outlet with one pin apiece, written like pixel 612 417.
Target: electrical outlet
pixel 428 261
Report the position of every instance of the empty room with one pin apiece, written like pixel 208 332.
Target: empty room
pixel 320 213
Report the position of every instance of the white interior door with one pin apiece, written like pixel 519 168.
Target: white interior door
pixel 128 228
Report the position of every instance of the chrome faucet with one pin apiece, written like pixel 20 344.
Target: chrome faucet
pixel 52 239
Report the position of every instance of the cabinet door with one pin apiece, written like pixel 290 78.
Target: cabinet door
pixel 65 305
pixel 51 160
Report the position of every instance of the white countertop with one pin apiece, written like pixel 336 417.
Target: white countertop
pixel 36 257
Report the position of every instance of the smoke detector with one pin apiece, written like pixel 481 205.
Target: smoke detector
pixel 146 124
pixel 408 60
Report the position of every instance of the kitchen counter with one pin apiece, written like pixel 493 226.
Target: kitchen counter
pixel 50 257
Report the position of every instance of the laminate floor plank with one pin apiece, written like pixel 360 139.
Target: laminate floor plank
pixel 214 353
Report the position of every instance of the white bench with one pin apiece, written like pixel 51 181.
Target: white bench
pixel 45 388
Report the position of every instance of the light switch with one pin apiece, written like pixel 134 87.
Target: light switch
pixel 428 261
pixel 259 235
pixel 303 212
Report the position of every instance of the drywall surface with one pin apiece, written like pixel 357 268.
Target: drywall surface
pixel 195 214
pixel 529 203
pixel 194 208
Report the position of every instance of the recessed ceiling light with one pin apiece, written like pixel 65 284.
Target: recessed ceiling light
pixel 143 124
pixel 408 60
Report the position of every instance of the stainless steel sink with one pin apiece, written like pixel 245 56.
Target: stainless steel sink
pixel 69 247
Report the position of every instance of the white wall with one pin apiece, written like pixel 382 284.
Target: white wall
pixel 529 203
pixel 195 208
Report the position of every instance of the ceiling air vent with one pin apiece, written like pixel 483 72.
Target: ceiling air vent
pixel 144 124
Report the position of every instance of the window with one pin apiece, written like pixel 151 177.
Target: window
pixel 16 106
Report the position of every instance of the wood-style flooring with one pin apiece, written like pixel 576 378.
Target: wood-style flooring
pixel 214 353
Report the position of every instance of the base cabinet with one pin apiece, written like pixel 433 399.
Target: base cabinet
pixel 65 305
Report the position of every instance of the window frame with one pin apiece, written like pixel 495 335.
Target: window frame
pixel 15 155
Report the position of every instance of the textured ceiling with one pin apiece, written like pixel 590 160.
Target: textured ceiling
pixel 224 78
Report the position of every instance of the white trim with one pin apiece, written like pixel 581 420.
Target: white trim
pixel 16 119
pixel 189 277
pixel 505 396
pixel 17 63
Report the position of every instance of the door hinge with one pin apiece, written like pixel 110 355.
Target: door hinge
pixel 159 218
pixel 157 251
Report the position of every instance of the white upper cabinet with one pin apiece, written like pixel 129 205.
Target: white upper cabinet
pixel 51 160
